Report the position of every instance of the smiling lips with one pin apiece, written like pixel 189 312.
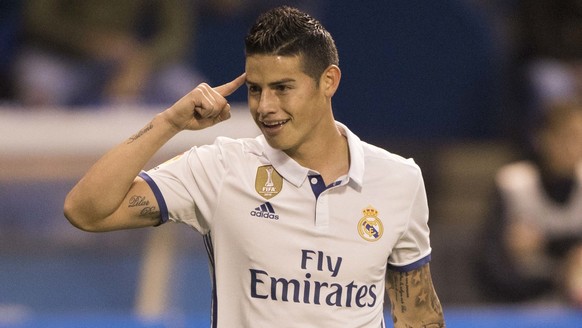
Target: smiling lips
pixel 274 124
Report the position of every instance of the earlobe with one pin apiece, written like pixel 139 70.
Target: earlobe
pixel 330 79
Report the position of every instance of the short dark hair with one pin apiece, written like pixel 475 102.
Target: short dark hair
pixel 287 31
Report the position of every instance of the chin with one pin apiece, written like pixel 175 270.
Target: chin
pixel 273 143
pixel 276 144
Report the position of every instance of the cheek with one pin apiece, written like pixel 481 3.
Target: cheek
pixel 305 103
pixel 313 108
pixel 253 104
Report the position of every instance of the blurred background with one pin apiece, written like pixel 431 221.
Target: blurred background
pixel 456 84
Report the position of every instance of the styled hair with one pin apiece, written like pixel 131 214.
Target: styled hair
pixel 287 31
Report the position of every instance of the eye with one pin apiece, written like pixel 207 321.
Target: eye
pixel 282 88
pixel 253 89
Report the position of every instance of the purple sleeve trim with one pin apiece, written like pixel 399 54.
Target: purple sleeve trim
pixel 159 197
pixel 411 266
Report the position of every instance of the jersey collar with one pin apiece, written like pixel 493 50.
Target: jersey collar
pixel 356 172
pixel 297 174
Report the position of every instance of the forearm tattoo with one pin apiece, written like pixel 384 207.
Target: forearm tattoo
pixel 147 211
pixel 140 133
pixel 413 299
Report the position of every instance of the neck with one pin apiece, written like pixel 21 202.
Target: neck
pixel 329 156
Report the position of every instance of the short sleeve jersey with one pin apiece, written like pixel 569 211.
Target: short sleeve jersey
pixel 285 250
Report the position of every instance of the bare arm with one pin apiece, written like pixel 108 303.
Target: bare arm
pixel 110 196
pixel 413 299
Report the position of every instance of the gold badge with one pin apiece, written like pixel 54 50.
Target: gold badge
pixel 370 227
pixel 268 182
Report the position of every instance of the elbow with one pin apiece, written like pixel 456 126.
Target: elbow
pixel 75 216
pixel 72 218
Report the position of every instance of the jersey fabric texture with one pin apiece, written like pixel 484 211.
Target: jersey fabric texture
pixel 286 250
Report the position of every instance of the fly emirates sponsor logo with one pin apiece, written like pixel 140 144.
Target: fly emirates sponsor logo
pixel 309 291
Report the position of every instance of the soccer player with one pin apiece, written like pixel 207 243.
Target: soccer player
pixel 305 225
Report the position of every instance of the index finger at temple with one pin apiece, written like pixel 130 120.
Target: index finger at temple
pixel 230 87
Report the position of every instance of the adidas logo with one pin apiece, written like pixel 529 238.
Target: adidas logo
pixel 266 210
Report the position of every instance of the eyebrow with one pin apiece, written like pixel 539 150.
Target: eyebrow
pixel 273 84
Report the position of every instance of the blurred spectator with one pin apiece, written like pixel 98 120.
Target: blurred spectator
pixel 98 52
pixel 550 52
pixel 533 245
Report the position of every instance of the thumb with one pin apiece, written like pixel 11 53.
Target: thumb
pixel 230 87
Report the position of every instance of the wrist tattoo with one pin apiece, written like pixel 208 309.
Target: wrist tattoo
pixel 140 133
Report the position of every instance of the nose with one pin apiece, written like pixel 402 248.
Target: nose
pixel 267 103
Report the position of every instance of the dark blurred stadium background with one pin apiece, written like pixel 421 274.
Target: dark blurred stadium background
pixel 425 79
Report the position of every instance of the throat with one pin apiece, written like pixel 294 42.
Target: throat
pixel 330 160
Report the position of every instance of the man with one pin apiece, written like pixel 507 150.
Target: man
pixel 305 225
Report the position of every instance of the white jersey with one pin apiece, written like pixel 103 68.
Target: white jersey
pixel 287 251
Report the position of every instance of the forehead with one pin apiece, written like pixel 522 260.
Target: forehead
pixel 262 68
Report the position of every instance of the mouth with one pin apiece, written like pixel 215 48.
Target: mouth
pixel 273 125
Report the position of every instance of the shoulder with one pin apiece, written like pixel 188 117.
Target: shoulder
pixel 230 146
pixel 222 152
pixel 377 158
pixel 374 163
pixel 517 175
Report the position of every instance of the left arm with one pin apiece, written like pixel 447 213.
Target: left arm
pixel 414 302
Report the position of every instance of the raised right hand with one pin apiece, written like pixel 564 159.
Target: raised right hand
pixel 203 107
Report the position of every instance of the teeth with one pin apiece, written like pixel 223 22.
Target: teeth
pixel 274 123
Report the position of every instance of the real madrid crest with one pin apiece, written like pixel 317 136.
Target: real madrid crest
pixel 268 182
pixel 370 227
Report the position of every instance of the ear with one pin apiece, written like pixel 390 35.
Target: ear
pixel 330 80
